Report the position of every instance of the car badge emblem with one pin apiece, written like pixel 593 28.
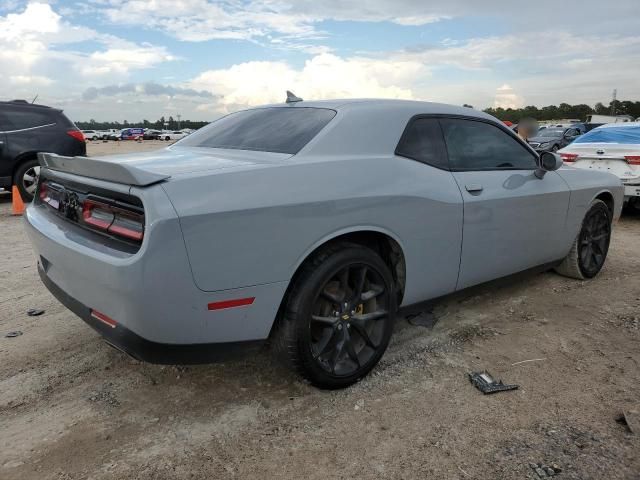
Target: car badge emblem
pixel 600 152
pixel 345 317
pixel 69 204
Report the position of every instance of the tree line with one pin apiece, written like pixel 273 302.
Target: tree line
pixel 564 110
pixel 160 124
pixel 550 112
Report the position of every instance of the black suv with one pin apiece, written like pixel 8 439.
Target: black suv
pixel 25 130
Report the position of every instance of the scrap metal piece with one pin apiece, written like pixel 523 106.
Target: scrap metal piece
pixel 34 312
pixel 484 382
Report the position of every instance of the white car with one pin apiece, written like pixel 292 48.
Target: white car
pixel 91 134
pixel 172 135
pixel 613 148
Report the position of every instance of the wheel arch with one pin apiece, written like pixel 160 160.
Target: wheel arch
pixel 607 197
pixel 21 158
pixel 382 241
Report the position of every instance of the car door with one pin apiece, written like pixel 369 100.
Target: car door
pixel 513 220
pixel 5 165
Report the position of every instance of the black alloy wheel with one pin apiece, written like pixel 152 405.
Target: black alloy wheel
pixel 348 319
pixel 339 316
pixel 593 241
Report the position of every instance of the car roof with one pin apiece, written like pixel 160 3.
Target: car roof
pixel 25 104
pixel 619 125
pixel 414 107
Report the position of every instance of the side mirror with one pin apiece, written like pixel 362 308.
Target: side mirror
pixel 549 162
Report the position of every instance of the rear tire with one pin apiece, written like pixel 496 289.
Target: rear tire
pixel 338 317
pixel 589 250
pixel 26 178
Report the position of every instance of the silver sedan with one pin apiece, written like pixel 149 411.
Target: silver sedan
pixel 307 224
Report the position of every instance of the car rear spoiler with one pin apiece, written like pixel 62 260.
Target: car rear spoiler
pixel 100 169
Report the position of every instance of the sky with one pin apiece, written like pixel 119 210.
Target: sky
pixel 143 59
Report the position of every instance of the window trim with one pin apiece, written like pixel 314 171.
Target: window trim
pixel 440 116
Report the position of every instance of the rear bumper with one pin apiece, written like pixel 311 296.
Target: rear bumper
pixel 632 190
pixel 151 293
pixel 145 350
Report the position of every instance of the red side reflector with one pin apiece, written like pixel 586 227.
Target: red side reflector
pixel 240 302
pixel 632 159
pixel 104 319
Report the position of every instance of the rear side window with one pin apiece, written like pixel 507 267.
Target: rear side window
pixel 278 129
pixel 474 145
pixel 20 119
pixel 422 141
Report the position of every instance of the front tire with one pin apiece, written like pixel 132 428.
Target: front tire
pixel 338 317
pixel 589 250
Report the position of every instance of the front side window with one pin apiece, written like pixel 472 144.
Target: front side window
pixel 276 129
pixel 474 145
pixel 422 141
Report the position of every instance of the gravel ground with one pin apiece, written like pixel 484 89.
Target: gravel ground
pixel 72 407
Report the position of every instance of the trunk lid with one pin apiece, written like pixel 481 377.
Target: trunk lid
pixel 147 168
pixel 606 157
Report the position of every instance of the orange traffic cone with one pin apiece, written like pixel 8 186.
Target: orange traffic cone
pixel 17 205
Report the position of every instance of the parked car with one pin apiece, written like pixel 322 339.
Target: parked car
pixel 552 139
pixel 172 135
pixel 152 134
pixel 132 134
pixel 613 148
pixel 26 129
pixel 91 134
pixel 307 224
pixel 110 134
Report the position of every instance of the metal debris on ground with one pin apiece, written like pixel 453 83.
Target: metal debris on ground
pixel 17 333
pixel 545 471
pixel 34 312
pixel 484 382
pixel 631 419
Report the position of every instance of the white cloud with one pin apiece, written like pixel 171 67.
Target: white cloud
pixel 506 97
pixel 35 46
pixel 29 80
pixel 324 76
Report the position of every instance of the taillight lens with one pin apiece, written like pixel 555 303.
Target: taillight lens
pixel 113 220
pixel 42 191
pixel 569 157
pixel 77 134
pixel 632 159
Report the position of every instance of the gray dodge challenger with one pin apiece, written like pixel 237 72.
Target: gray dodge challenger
pixel 307 225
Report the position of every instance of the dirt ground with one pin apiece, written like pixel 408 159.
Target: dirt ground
pixel 72 407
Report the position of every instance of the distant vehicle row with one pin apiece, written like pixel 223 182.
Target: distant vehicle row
pixel 135 134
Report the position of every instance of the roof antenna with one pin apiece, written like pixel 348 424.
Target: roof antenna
pixel 292 98
pixel 34 98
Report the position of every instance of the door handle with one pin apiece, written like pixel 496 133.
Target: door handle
pixel 473 188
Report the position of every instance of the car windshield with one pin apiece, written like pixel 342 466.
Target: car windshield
pixel 551 132
pixel 623 135
pixel 275 129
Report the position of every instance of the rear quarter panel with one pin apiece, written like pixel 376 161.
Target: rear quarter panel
pixel 257 226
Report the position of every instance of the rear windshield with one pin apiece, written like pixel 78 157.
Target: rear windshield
pixel 276 129
pixel 623 135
